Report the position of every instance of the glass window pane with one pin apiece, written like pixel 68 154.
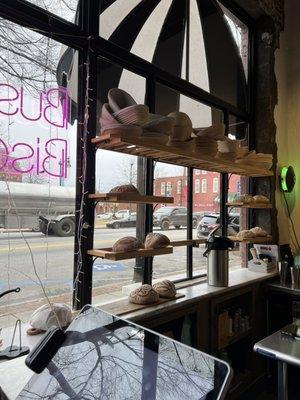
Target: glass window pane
pixel 65 9
pixel 117 220
pixel 206 211
pixel 171 219
pixel 37 171
pixel 238 220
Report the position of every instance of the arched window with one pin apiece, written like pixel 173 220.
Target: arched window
pixel 197 186
pixel 162 188
pixel 215 185
pixel 169 189
pixel 204 186
pixel 179 186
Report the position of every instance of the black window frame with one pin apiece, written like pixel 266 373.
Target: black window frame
pixel 84 38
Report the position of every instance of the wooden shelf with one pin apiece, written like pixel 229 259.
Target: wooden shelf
pixel 130 198
pixel 179 155
pixel 194 242
pixel 108 254
pixel 251 205
pixel 255 240
pixel 123 306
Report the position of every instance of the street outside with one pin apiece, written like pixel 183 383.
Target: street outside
pixel 53 257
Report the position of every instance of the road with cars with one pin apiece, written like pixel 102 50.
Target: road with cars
pixel 24 259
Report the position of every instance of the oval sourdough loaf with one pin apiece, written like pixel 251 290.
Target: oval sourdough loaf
pixel 156 241
pixel 259 232
pixel 246 234
pixel 166 289
pixel 124 189
pixel 127 243
pixel 260 199
pixel 144 295
pixel 245 198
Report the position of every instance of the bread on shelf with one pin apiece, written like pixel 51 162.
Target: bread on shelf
pixel 246 234
pixel 156 240
pixel 166 289
pixel 144 295
pixel 252 233
pixel 259 232
pixel 124 189
pixel 245 199
pixel 127 243
pixel 260 199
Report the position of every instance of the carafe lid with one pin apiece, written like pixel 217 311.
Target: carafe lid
pixel 219 243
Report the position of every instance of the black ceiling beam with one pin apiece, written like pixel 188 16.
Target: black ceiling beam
pixel 33 17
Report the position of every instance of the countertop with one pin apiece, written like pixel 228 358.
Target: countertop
pixel 9 370
pixel 201 290
pixel 286 288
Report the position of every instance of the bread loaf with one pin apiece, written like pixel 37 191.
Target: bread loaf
pixel 128 243
pixel 260 199
pixel 245 234
pixel 156 241
pixel 144 295
pixel 245 198
pixel 124 189
pixel 166 289
pixel 259 232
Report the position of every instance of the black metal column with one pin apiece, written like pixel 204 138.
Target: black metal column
pixel 149 171
pixel 224 187
pixel 189 205
pixel 85 172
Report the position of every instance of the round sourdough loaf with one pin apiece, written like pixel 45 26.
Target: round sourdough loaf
pixel 156 241
pixel 144 295
pixel 124 189
pixel 127 243
pixel 166 289
pixel 259 232
pixel 260 199
pixel 245 198
pixel 246 234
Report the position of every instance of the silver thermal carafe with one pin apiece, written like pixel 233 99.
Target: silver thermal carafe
pixel 217 260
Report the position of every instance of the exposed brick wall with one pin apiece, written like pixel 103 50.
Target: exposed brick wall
pixel 208 201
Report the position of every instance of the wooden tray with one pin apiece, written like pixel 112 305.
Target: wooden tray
pixel 256 240
pixel 122 307
pixel 179 155
pixel 193 242
pixel 250 205
pixel 108 254
pixel 130 198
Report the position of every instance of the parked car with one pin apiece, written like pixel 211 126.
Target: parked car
pixel 126 222
pixel 165 217
pixel 211 221
pixel 122 214
pixel 105 216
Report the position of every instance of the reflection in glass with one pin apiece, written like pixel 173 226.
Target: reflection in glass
pixel 104 357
